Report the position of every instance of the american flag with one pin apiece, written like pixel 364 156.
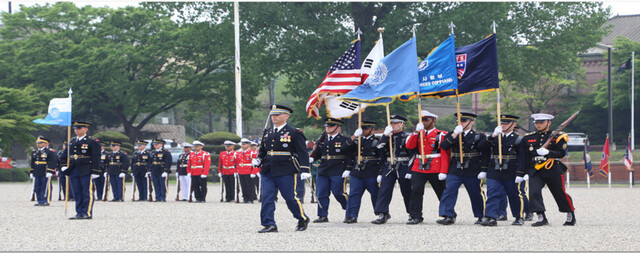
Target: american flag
pixel 628 156
pixel 343 76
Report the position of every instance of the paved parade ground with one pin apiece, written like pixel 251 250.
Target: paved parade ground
pixel 607 219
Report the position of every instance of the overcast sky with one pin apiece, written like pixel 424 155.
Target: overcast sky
pixel 618 7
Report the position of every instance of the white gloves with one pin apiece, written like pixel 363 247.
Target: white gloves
pixel 358 132
pixel 31 176
pixel 519 180
pixel 177 175
pixel 419 127
pixel 235 174
pixel 497 131
pixel 388 130
pixel 121 175
pixel 542 151
pixel 132 174
pixel 105 175
pixel 458 129
pixel 253 175
pixel 94 176
pixel 379 178
pixel 256 162
pixel 203 176
pixel 346 174
pixel 310 159
pixel 442 176
pixel 188 174
pixel 305 175
pixel 407 176
pixel 49 174
pixel 148 174
pixel 258 174
pixel 64 168
pixel 220 175
pixel 526 177
pixel 482 175
pixel 164 174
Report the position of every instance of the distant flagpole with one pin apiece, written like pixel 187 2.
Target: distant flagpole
pixel 66 187
pixel 236 20
pixel 633 140
pixel 358 32
pixel 451 25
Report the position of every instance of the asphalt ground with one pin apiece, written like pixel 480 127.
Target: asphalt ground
pixel 607 220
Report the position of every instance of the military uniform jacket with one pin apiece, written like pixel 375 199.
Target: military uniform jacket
pixel 402 155
pixel 372 157
pixel 104 161
pixel 243 162
pixel 199 163
pixel 160 162
pixel 118 162
pixel 183 163
pixel 284 152
pixel 510 147
pixel 334 155
pixel 43 161
pixel 62 162
pixel 140 162
pixel 475 161
pixel 433 151
pixel 227 162
pixel 85 156
pixel 528 156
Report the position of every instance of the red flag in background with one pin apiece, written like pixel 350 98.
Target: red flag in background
pixel 604 161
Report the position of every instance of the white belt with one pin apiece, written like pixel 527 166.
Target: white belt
pixel 429 156
pixel 197 167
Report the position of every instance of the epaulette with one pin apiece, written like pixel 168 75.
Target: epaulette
pixel 125 153
pixel 93 138
pixel 300 130
pixel 531 133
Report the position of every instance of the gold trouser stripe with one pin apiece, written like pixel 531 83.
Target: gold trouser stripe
pixel 344 189
pixel 484 199
pixel 295 194
pixel 521 200
pixel 166 186
pixel 48 190
pixel 90 198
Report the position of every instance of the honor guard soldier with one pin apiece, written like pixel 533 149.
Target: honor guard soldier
pixel 140 164
pixel 431 166
pixel 160 168
pixel 393 170
pixel 335 162
pixel 542 167
pixel 365 174
pixel 283 154
pixel 117 167
pixel 255 175
pixel 84 165
pixel 227 169
pixel 61 177
pixel 198 168
pixel 43 165
pixel 501 176
pixel 183 177
pixel 245 170
pixel 470 172
pixel 99 181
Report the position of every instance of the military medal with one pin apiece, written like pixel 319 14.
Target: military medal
pixel 285 145
pixel 337 150
pixel 530 148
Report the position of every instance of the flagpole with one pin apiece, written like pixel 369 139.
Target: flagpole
pixel 586 147
pixel 633 140
pixel 390 137
pixel 419 114
pixel 359 137
pixel 236 19
pixel 66 191
pixel 494 25
pixel 451 25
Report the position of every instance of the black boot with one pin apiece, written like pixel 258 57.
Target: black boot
pixel 321 219
pixel 446 221
pixel 542 220
pixel 571 219
pixel 382 219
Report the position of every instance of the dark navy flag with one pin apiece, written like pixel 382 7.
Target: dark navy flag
pixel 626 65
pixel 587 158
pixel 477 66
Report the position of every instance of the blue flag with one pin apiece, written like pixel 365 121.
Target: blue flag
pixel 437 72
pixel 477 66
pixel 395 75
pixel 587 158
pixel 59 113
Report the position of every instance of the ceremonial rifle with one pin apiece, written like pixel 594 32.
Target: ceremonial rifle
pixel 133 196
pixel 150 189
pixel 237 189
pixel 178 188
pixel 106 188
pixel 555 133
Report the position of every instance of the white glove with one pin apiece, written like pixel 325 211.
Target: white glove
pixel 253 175
pixel 419 127
pixel 235 174
pixel 542 151
pixel 358 132
pixel 497 131
pixel 64 168
pixel 94 176
pixel 203 176
pixel 148 174
pixel 177 175
pixel 164 174
pixel 305 175
pixel 519 180
pixel 407 176
pixel 49 174
pixel 258 174
pixel 482 175
pixel 31 176
pixel 220 175
pixel 442 176
pixel 121 175
pixel 256 162
pixel 388 130
pixel 379 178
pixel 105 175
pixel 310 159
pixel 458 129
pixel 526 177
pixel 188 174
pixel 131 174
pixel 346 174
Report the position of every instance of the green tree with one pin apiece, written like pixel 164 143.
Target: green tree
pixel 17 110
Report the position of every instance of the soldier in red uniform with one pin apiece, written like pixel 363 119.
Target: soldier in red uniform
pixel 432 168
pixel 198 167
pixel 255 174
pixel 227 169
pixel 245 170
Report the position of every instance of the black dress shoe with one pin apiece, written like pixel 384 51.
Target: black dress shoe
pixel 518 222
pixel 480 221
pixel 414 221
pixel 490 222
pixel 321 219
pixel 446 221
pixel 268 229
pixel 85 217
pixel 37 204
pixel 382 219
pixel 302 224
pixel 350 220
pixel 528 217
pixel 571 222
pixel 113 200
pixel 501 217
pixel 120 200
pixel 541 223
pixel 77 217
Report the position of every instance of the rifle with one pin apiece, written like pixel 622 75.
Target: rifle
pixel 133 197
pixel 313 189
pixel 237 189
pixel 59 190
pixel 191 191
pixel 33 191
pixel 221 190
pixel 259 190
pixel 150 189
pixel 106 188
pixel 554 134
pixel 318 141
pixel 178 189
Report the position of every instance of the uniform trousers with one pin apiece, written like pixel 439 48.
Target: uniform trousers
pixel 185 187
pixel 247 187
pixel 496 189
pixel 555 183
pixel 160 185
pixel 256 184
pixel 98 184
pixel 199 187
pixel 117 186
pixel 286 185
pixel 385 193
pixel 450 195
pixel 357 186
pixel 42 187
pixel 84 197
pixel 325 185
pixel 229 187
pixel 141 183
pixel 63 185
pixel 418 181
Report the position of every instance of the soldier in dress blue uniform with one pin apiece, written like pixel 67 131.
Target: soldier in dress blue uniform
pixel 365 174
pixel 470 172
pixel 335 160
pixel 117 168
pixel 61 176
pixel 395 170
pixel 43 165
pixel 83 166
pixel 542 166
pixel 501 176
pixel 283 154
pixel 140 167
pixel 160 168
pixel 99 182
